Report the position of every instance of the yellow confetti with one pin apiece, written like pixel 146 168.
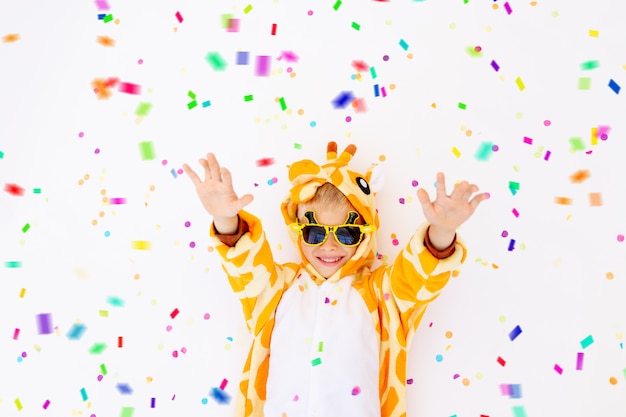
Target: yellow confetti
pixel 594 33
pixel 141 245
pixel 520 84
pixel 456 152
pixel 11 37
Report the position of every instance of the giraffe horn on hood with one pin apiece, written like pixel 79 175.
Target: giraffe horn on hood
pixel 331 151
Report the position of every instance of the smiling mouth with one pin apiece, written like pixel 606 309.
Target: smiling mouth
pixel 330 260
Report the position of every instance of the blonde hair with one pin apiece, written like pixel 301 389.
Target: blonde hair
pixel 329 196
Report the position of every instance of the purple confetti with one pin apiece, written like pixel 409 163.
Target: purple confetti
pixel 44 323
pixel 262 66
pixel 495 66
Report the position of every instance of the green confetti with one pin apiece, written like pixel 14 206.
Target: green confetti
pixel 107 18
pixel 484 151
pixel 103 369
pixel 519 411
pixel 337 5
pixel 589 65
pixel 584 83
pixel 36 190
pixel 225 19
pixel 13 264
pixel 297 145
pixel 316 361
pixel 1 155
pixel 373 73
pixel 147 151
pixel 471 50
pixel 320 346
pixel 97 348
pixel 103 313
pixel 115 301
pixel 586 342
pixel 283 106
pixel 462 106
pixel 356 26
pixel 192 104
pixel 513 187
pixel 127 412
pixel 216 61
pixel 247 9
pixel 577 144
pixel 249 97
pixel 191 95
pixel 25 228
pixel 143 109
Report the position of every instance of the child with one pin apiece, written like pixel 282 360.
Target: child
pixel 330 333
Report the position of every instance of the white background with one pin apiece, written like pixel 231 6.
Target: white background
pixel 564 280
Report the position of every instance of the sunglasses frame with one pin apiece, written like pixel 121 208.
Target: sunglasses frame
pixel 364 228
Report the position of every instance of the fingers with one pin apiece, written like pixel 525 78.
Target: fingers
pixel 190 172
pixel 441 185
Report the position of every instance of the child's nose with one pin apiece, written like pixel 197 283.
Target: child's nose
pixel 331 242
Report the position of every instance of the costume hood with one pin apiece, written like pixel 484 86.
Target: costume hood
pixel 359 188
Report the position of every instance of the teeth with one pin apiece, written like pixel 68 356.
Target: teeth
pixel 330 260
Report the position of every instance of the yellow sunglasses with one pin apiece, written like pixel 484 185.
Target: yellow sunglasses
pixel 347 234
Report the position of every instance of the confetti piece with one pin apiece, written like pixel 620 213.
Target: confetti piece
pixel 580 357
pixel 263 162
pixel 141 245
pixel 595 199
pixel 515 332
pixel 22 292
pixel 558 369
pixel 232 25
pixel 107 18
pixel 501 361
pixel 262 67
pixel 14 189
pixel 484 151
pixel 343 99
pixel 174 313
pixel 337 5
pixel 83 394
pixel 46 404
pixel 376 90
pixel 519 411
pixel 528 140
pixel 124 388
pixel 12 264
pixel 283 105
pixel 249 97
pixel 584 83
pixel 220 396
pixel 105 41
pixel 97 348
pixel 579 176
pixel 594 33
pixel 373 73
pixel 143 109
pixel 76 332
pixel 18 404
pixel 513 187
pixel 117 200
pixel 403 44
pixel 1 155
pixel 586 342
pixel 127 412
pixel 547 155
pixel 360 66
pixel 103 369
pixel 495 66
pixel 507 7
pixel 316 361
pixel 25 228
pixel 589 65
pixel 520 84
pixel 11 37
pixel 115 301
pixel 356 26
pixel 44 323
pixel 179 17
pixel 456 152
pixel 273 32
pixel 152 402
pixel 614 86
pixel 147 151
pixel 216 61
pixel 129 88
pixel 247 9
pixel 356 391
pixel 206 103
pixel 242 58
pixel 16 334
pixel 120 341
pixel 563 200
pixel 515 212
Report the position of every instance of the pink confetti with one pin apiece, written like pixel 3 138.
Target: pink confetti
pixel 547 155
pixel 129 88
pixel 262 68
pixel 507 7
pixel 356 391
pixel 46 404
pixel 515 212
pixel 528 140
pixel 117 201
pixel 16 334
pixel 179 17
pixel 580 357
pixel 223 384
pixel 558 369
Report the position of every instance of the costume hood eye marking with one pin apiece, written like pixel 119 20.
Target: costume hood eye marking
pixel 352 216
pixel 310 216
pixel 363 185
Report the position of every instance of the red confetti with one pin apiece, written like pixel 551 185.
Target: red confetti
pixel 174 313
pixel 360 66
pixel 130 88
pixel 274 29
pixel 179 17
pixel 263 162
pixel 501 361
pixel 14 189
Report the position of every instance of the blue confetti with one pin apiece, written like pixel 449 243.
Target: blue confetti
pixel 343 100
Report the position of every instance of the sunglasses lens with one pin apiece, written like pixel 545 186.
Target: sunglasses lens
pixel 313 235
pixel 348 235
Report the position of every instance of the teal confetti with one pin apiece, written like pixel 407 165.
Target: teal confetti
pixel 586 342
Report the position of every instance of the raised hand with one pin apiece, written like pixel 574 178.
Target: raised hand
pixel 448 212
pixel 216 190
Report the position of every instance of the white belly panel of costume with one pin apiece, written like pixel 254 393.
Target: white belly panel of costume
pixel 324 353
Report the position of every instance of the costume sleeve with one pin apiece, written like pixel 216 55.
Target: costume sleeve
pixel 417 277
pixel 252 273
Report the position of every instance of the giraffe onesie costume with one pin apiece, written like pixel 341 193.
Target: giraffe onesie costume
pixel 338 345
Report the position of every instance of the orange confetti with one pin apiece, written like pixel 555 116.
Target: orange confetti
pixel 563 200
pixel 595 199
pixel 579 176
pixel 106 41
pixel 11 37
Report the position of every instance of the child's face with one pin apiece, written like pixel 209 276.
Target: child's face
pixel 330 256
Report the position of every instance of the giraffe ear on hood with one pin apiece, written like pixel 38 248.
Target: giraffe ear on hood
pixel 376 178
